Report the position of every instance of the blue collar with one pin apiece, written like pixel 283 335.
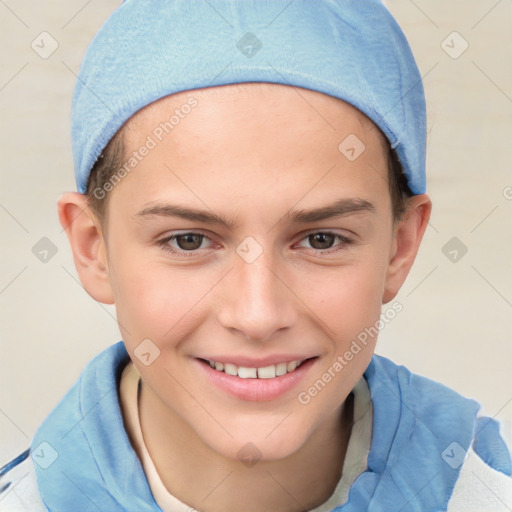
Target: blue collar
pixel 415 423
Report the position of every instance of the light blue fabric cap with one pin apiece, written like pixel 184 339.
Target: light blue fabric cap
pixel 349 49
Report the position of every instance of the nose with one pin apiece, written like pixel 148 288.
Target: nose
pixel 256 300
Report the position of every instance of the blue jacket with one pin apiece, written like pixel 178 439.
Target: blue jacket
pixel 84 462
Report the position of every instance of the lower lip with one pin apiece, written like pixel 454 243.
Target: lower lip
pixel 256 389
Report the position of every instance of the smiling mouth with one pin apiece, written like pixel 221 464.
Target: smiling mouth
pixel 265 372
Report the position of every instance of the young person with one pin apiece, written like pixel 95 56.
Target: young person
pixel 251 191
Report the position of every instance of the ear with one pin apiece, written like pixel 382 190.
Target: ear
pixel 88 245
pixel 406 242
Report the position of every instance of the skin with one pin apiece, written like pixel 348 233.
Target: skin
pixel 251 154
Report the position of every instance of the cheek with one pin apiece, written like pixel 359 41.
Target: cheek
pixel 349 298
pixel 349 306
pixel 158 301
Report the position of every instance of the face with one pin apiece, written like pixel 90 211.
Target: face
pixel 245 237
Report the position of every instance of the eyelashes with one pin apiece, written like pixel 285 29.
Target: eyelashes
pixel 193 238
pixel 165 242
pixel 344 241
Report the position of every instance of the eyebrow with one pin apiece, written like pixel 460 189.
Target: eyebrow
pixel 339 208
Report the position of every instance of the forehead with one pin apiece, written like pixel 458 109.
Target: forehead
pixel 255 140
pixel 256 98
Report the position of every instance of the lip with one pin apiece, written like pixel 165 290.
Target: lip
pixel 256 389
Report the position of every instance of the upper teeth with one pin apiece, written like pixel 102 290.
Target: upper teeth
pixel 265 372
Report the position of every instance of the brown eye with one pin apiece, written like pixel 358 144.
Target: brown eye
pixel 189 241
pixel 183 244
pixel 321 241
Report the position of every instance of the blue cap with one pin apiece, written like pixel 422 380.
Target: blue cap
pixel 350 49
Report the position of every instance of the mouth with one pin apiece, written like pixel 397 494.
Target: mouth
pixel 262 382
pixel 264 372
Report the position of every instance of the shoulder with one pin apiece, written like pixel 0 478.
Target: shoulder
pixel 440 429
pixel 445 409
pixel 18 486
pixel 422 401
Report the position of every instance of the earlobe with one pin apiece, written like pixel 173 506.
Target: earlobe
pixel 406 243
pixel 88 245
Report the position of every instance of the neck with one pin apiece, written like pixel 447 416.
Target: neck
pixel 202 478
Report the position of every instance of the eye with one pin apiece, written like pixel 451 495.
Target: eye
pixel 189 242
pixel 322 241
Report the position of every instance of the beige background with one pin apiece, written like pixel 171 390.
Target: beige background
pixel 457 319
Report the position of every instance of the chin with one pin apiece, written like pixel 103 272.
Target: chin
pixel 259 442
